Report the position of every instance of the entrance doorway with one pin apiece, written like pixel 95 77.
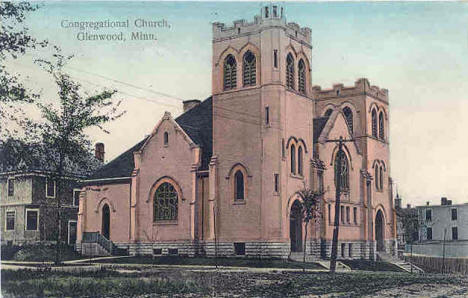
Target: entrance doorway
pixel 379 231
pixel 105 231
pixel 295 227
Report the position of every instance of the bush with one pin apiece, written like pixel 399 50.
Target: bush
pixel 9 251
pixel 38 252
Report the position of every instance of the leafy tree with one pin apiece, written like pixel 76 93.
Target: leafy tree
pixel 310 208
pixel 61 132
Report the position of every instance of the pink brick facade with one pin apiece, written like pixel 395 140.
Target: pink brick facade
pixel 230 166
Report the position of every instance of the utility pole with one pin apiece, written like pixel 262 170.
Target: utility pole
pixel 443 251
pixel 336 229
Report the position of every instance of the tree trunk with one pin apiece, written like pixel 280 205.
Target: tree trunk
pixel 305 245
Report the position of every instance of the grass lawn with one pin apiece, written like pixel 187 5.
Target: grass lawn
pixel 233 262
pixel 177 282
pixel 38 253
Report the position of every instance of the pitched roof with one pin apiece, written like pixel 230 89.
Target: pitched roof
pixel 319 124
pixel 196 122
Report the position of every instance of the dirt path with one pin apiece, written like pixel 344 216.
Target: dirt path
pixel 424 290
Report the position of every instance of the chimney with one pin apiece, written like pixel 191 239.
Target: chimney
pixel 99 151
pixel 427 203
pixel 190 104
pixel 408 206
pixel 443 201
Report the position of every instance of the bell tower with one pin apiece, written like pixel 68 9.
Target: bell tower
pixel 262 111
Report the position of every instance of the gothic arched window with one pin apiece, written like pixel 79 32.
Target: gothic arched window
pixel 230 73
pixel 349 118
pixel 293 159
pixel 341 171
pixel 381 126
pixel 376 177
pixel 374 124
pixel 249 69
pixel 290 71
pixel 299 161
pixel 328 112
pixel 239 185
pixel 302 76
pixel 381 178
pixel 165 202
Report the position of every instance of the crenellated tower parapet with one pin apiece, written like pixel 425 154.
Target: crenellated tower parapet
pixel 361 87
pixel 271 16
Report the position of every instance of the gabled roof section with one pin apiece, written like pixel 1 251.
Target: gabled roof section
pixel 197 124
pixel 319 124
pixel 121 166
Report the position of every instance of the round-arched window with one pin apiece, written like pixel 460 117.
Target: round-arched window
pixel 165 202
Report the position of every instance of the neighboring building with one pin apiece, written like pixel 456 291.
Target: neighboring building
pixel 223 177
pixel 28 198
pixel 407 225
pixel 443 223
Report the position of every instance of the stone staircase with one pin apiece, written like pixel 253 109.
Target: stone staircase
pixel 406 266
pixel 299 257
pixel 95 244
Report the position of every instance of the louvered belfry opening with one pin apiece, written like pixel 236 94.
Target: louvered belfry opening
pixel 249 69
pixel 230 73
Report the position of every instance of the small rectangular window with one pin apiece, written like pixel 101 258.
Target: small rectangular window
pixel 355 215
pixel 173 251
pixel 283 153
pixel 320 181
pixel 350 250
pixel 454 214
pixel 157 251
pixel 428 215
pixel 10 220
pixel 329 214
pixel 50 188
pixel 76 197
pixel 348 218
pixel 342 214
pixel 275 58
pixel 454 233
pixel 239 248
pixel 32 220
pixel 343 249
pixel 276 182
pixel 266 12
pixel 429 233
pixel 267 115
pixel 11 187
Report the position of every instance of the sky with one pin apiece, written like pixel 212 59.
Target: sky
pixel 417 50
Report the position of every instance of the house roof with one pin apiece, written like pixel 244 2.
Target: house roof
pixel 319 124
pixel 196 122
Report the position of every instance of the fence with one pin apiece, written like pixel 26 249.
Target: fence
pixel 440 265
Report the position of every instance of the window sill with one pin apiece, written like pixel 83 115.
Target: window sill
pixel 239 202
pixel 165 222
pixel 296 176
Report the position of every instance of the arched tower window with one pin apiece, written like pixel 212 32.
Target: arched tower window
pixel 239 185
pixel 299 161
pixel 166 138
pixel 374 123
pixel 349 118
pixel 342 166
pixel 230 73
pixel 328 112
pixel 165 202
pixel 381 126
pixel 302 76
pixel 249 69
pixel 290 71
pixel 293 159
pixel 381 178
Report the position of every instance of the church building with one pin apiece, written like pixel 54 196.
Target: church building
pixel 223 178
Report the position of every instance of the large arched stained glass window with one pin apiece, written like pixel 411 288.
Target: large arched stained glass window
pixel 239 185
pixel 349 118
pixel 381 126
pixel 290 71
pixel 302 76
pixel 374 123
pixel 249 68
pixel 165 202
pixel 341 171
pixel 230 73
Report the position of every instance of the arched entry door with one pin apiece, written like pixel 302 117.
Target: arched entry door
pixel 379 231
pixel 295 227
pixel 105 231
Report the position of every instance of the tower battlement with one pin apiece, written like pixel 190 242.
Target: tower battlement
pixel 271 16
pixel 361 86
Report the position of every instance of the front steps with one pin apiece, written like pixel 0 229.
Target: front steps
pixel 406 266
pixel 94 244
